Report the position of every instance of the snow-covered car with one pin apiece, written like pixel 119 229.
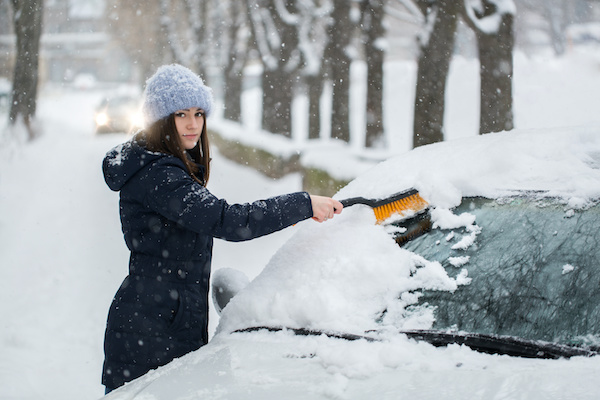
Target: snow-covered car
pixel 84 81
pixel 120 113
pixel 491 292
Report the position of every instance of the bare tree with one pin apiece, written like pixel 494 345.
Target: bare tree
pixel 234 38
pixel 312 22
pixel 184 39
pixel 199 35
pixel 436 47
pixel 136 25
pixel 337 67
pixel 373 31
pixel 556 13
pixel 277 43
pixel 492 21
pixel 27 17
pixel 554 16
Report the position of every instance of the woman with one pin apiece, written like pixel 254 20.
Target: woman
pixel 169 220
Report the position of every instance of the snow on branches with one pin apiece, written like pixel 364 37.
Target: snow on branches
pixel 487 15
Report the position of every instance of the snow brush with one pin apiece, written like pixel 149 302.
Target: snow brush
pixel 399 203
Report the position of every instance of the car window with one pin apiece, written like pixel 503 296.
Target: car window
pixel 535 270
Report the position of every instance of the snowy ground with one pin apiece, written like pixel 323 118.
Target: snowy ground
pixel 61 251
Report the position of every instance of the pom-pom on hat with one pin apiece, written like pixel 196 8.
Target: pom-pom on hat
pixel 174 87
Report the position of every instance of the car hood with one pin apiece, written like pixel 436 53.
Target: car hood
pixel 266 365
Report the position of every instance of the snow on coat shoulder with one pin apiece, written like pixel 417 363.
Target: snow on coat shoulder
pixel 124 161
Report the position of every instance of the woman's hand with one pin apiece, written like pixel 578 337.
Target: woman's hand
pixel 324 208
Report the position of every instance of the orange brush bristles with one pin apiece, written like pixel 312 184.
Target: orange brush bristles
pixel 413 204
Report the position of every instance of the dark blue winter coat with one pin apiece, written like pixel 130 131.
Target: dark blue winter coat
pixel 160 312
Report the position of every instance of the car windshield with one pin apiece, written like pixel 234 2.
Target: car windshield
pixel 535 270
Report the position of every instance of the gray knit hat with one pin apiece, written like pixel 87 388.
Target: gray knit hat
pixel 174 87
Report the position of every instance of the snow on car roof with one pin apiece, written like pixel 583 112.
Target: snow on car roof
pixel 341 275
pixel 564 162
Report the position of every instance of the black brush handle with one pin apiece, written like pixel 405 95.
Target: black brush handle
pixel 357 200
pixel 378 202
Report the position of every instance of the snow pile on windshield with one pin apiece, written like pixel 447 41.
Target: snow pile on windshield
pixel 345 275
pixel 350 275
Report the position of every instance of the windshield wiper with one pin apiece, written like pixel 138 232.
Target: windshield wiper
pixel 308 332
pixel 490 344
pixel 499 344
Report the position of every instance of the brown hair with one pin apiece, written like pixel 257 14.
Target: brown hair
pixel 162 136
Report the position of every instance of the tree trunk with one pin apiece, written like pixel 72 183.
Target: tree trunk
pixel 495 68
pixel 277 43
pixel 315 89
pixel 235 62
pixel 373 14
pixel 233 88
pixel 201 35
pixel 432 72
pixel 496 71
pixel 28 29
pixel 278 94
pixel 555 11
pixel 338 68
pixel 136 25
pixel 279 84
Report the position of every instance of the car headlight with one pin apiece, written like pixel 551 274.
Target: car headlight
pixel 137 120
pixel 101 119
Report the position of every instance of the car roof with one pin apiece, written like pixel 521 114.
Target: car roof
pixel 562 162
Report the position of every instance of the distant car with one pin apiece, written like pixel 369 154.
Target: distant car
pixel 84 81
pixel 491 291
pixel 118 114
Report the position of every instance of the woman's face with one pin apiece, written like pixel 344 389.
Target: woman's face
pixel 189 124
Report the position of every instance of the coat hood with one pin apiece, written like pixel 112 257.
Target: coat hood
pixel 124 161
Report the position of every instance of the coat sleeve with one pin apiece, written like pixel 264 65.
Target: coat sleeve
pixel 177 197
